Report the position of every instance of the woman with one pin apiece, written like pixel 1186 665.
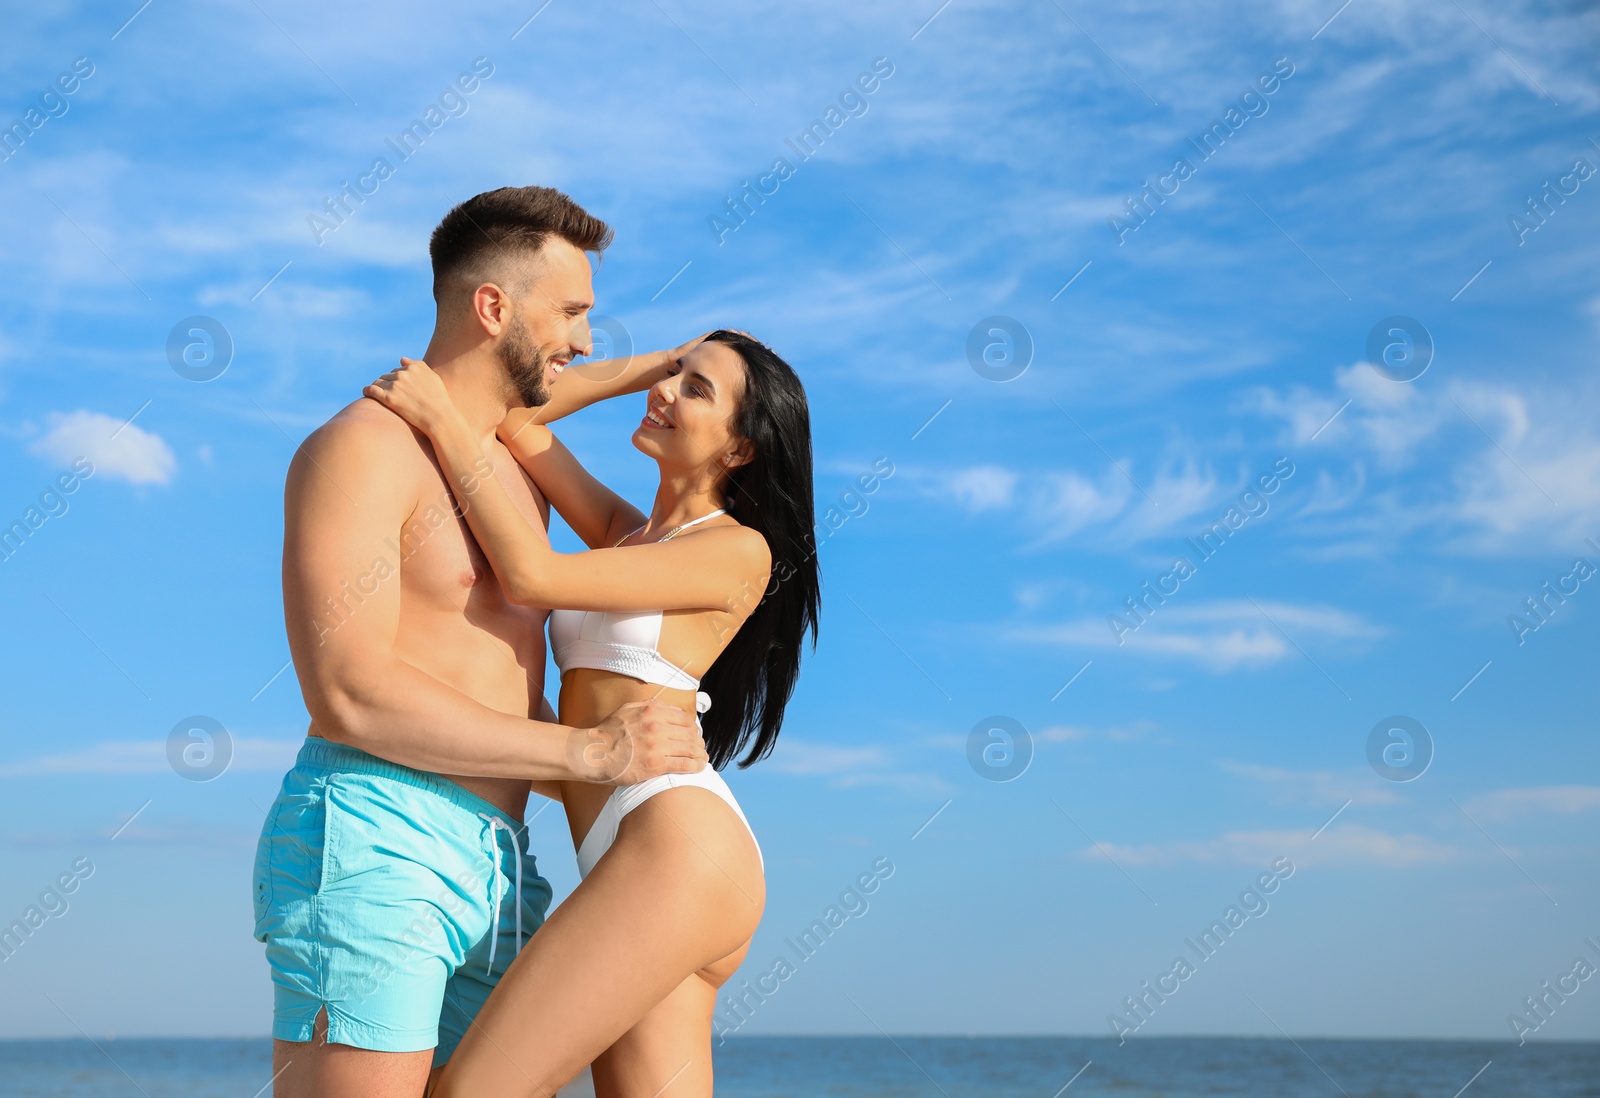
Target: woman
pixel 676 605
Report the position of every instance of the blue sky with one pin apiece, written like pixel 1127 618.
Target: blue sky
pixel 1172 366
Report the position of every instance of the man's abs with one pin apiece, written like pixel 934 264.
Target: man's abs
pixel 494 654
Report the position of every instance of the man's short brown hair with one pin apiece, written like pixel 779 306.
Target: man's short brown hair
pixel 511 223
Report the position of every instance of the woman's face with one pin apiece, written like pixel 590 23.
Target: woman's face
pixel 688 421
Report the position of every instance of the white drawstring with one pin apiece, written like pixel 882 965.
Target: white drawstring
pixel 495 824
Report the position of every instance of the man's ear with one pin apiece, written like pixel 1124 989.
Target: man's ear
pixel 491 308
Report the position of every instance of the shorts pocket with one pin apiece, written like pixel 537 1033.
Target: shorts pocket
pixel 350 836
pixel 289 855
pixel 261 877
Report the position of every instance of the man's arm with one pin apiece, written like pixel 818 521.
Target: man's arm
pixel 347 492
pixel 551 790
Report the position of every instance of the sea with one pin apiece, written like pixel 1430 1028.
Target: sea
pixel 914 1067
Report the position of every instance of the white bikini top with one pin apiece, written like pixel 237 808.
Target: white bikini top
pixel 628 644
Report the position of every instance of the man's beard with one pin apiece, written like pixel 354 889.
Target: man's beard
pixel 525 364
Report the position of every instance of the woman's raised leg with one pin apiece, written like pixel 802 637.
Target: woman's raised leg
pixel 680 889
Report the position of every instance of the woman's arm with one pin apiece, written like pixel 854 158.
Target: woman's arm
pixel 596 514
pixel 711 569
pixel 580 386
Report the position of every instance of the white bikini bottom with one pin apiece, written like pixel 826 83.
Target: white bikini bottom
pixel 625 798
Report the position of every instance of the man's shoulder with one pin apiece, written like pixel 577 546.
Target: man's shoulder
pixel 364 448
pixel 363 428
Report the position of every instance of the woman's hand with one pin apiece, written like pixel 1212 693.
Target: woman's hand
pixel 684 348
pixel 416 394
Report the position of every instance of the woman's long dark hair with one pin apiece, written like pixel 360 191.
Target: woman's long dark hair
pixel 752 679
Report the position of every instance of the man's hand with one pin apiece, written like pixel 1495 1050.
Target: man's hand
pixel 640 740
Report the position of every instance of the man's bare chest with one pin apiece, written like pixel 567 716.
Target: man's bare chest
pixel 440 560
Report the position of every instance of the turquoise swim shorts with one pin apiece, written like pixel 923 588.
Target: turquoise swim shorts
pixel 389 897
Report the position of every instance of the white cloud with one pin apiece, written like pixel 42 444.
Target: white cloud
pixel 1031 596
pixel 1121 504
pixel 1388 419
pixel 250 753
pixel 1538 472
pixel 1323 787
pixel 171 832
pixel 114 447
pixel 1327 620
pixel 1524 463
pixel 286 295
pixel 847 766
pixel 1060 733
pixel 1330 493
pixel 1219 650
pixel 1567 800
pixel 1124 505
pixel 1223 635
pixel 1070 502
pixel 1440 35
pixel 983 488
pixel 922 782
pixel 810 758
pixel 1342 844
pixel 1068 733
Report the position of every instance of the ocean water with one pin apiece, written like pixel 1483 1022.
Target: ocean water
pixel 916 1067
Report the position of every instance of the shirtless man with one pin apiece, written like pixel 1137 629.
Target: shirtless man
pixel 388 860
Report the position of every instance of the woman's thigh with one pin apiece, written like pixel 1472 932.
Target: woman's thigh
pixel 680 889
pixel 668 1052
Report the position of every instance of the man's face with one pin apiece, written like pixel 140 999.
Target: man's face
pixel 550 324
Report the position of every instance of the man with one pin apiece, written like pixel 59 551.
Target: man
pixel 388 860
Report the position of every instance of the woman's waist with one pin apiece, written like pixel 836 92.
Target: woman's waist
pixel 589 695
